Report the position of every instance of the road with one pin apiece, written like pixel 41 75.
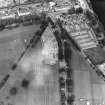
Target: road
pixel 87 85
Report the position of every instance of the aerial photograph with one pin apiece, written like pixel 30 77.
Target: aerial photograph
pixel 52 52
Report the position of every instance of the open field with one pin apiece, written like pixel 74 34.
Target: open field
pixel 45 93
pixel 88 86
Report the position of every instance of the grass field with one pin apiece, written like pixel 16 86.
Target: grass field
pixel 45 93
pixel 87 85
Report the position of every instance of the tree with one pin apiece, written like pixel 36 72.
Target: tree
pixel 48 0
pixel 71 99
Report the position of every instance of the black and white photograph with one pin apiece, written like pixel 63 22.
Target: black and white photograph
pixel 52 52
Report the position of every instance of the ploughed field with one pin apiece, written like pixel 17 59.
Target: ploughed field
pixel 41 86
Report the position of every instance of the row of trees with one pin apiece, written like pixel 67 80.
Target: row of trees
pixel 97 27
pixel 75 11
pixel 22 20
pixel 66 36
pixel 65 72
pixel 33 41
